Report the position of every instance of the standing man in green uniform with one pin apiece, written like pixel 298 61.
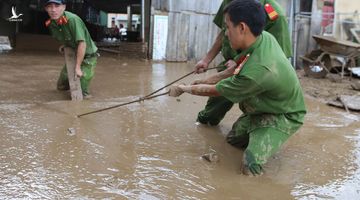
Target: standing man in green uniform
pixel 276 24
pixel 263 83
pixel 71 31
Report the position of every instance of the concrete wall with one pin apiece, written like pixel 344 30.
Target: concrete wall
pixel 346 10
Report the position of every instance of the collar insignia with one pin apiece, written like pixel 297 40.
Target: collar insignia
pixel 241 62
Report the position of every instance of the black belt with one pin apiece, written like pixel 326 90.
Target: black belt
pixel 328 3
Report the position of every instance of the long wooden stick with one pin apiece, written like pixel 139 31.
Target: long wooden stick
pixel 124 104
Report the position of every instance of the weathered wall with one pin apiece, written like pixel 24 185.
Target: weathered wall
pixel 197 6
pixel 191 31
pixel 347 11
pixel 347 6
pixel 286 4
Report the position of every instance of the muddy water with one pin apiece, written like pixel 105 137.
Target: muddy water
pixel 152 150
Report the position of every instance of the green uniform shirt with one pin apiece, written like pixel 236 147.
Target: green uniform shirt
pixel 278 28
pixel 72 32
pixel 226 50
pixel 267 88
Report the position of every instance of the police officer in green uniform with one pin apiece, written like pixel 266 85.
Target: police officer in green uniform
pixel 276 24
pixel 262 82
pixel 71 31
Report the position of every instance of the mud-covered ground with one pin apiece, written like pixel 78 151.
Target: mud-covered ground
pixel 328 88
pixel 152 150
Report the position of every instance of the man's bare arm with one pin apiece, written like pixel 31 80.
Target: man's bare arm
pixel 231 65
pixel 201 90
pixel 203 64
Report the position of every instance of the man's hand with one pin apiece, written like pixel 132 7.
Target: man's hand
pixel 176 90
pixel 78 72
pixel 197 82
pixel 61 49
pixel 231 64
pixel 230 67
pixel 201 66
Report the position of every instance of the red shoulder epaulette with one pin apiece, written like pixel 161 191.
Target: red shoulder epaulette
pixel 241 62
pixel 271 12
pixel 47 22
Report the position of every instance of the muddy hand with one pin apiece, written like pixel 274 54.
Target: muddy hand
pixel 230 65
pixel 175 90
pixel 197 82
pixel 201 67
pixel 78 72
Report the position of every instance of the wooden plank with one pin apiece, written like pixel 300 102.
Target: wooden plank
pixel 172 41
pixel 215 7
pixel 74 81
pixel 198 6
pixel 191 32
pixel 202 6
pixel 201 36
pixel 162 5
pixel 192 40
pixel 183 38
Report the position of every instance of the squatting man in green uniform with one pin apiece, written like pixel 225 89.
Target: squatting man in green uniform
pixel 263 83
pixel 71 31
pixel 276 24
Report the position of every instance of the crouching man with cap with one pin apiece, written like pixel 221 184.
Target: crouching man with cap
pixel 71 31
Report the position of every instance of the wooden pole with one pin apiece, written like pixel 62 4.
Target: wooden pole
pixel 74 81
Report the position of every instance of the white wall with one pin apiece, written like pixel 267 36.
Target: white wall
pixel 121 19
pixel 346 9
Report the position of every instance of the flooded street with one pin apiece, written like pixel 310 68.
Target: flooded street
pixel 153 149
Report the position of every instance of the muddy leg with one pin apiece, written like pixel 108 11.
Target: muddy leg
pixel 214 111
pixel 88 69
pixel 263 143
pixel 239 136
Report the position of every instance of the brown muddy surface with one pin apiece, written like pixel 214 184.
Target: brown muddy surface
pixel 152 150
pixel 328 88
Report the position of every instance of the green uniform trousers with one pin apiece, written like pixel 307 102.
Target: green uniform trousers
pixel 259 144
pixel 88 68
pixel 215 108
